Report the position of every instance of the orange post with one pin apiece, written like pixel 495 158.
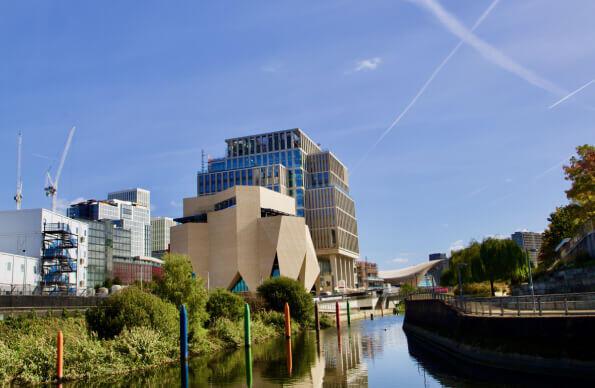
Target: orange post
pixel 59 355
pixel 287 321
pixel 338 315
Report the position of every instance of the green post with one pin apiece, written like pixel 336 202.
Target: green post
pixel 248 352
pixel 348 315
pixel 247 340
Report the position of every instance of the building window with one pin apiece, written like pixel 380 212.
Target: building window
pixel 240 286
pixel 9 266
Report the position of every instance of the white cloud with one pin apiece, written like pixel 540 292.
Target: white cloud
pixel 63 204
pixel 175 204
pixel 477 191
pixel 368 64
pixel 456 246
pixel 271 68
pixel 400 260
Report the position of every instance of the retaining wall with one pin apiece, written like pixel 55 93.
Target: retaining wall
pixel 569 338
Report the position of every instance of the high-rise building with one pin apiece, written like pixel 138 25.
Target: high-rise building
pixel 291 163
pixel 530 242
pixel 134 216
pixel 437 256
pixel 367 275
pixel 160 235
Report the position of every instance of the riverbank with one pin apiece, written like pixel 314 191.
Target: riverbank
pixel 28 348
pixel 561 346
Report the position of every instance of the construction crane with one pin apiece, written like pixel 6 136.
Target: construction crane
pixel 51 185
pixel 18 197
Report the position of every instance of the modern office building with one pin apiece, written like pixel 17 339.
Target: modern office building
pixel 134 216
pixel 160 235
pixel 530 242
pixel 244 235
pixel 109 243
pixel 291 163
pixel 58 243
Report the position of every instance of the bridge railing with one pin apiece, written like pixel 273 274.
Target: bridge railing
pixel 539 305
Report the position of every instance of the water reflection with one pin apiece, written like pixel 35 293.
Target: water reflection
pixel 375 353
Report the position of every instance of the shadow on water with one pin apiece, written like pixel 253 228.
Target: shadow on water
pixel 377 353
pixel 452 372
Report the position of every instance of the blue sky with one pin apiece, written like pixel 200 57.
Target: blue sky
pixel 149 86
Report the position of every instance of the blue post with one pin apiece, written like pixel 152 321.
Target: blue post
pixel 184 345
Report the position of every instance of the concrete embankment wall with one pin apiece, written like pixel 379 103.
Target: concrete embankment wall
pixel 14 305
pixel 566 343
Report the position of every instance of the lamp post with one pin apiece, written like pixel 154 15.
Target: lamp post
pixel 530 277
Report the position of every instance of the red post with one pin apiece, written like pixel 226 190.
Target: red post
pixel 338 315
pixel 59 355
pixel 287 321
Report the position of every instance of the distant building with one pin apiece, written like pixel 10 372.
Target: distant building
pixel 160 234
pixel 56 242
pixel 367 275
pixel 419 275
pixel 108 243
pixel 244 235
pixel 437 256
pixel 530 242
pixel 137 269
pixel 291 163
pixel 134 214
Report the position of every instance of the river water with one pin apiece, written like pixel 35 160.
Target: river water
pixel 373 353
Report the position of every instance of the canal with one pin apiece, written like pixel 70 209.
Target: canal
pixel 373 353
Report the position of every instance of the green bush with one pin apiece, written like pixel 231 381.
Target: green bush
pixel 325 321
pixel 143 345
pixel 132 308
pixel 224 304
pixel 272 318
pixel 280 290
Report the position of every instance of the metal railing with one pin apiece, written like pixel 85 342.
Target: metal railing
pixel 540 305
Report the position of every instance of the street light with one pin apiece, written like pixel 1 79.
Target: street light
pixel 530 276
pixel 459 265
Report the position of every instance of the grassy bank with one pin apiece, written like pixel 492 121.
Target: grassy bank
pixel 28 347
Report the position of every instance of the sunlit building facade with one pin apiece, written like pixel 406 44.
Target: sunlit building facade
pixel 291 163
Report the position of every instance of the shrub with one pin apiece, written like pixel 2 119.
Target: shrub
pixel 132 308
pixel 143 345
pixel 224 304
pixel 326 321
pixel 272 318
pixel 7 363
pixel 280 290
pixel 257 304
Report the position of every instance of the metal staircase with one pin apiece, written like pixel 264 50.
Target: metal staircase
pixel 57 264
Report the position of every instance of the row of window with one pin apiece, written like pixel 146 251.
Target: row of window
pixel 286 158
pixel 263 143
pixel 263 176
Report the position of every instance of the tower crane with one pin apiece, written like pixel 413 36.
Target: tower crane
pixel 51 185
pixel 18 197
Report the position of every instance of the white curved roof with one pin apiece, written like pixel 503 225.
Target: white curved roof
pixel 403 273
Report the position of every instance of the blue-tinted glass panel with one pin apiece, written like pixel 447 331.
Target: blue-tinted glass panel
pixel 240 286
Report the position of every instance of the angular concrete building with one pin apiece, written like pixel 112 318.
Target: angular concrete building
pixel 241 236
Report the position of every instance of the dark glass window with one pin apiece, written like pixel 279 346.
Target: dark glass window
pixel 240 286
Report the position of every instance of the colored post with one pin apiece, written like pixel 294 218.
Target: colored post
pixel 316 317
pixel 338 315
pixel 289 356
pixel 247 337
pixel 287 321
pixel 184 345
pixel 59 355
pixel 248 352
pixel 348 315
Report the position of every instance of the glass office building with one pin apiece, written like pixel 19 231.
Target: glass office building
pixel 291 163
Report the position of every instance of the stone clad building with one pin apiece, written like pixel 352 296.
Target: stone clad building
pixel 241 236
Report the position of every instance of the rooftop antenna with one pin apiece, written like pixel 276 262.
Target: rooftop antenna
pixel 18 197
pixel 51 187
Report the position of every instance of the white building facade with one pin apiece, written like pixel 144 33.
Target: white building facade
pixel 22 234
pixel 160 234
pixel 18 274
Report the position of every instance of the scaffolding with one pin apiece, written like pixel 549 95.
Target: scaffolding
pixel 57 264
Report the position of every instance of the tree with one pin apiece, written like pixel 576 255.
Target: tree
pixel 562 224
pixel 279 290
pixel 581 172
pixel 499 259
pixel 179 285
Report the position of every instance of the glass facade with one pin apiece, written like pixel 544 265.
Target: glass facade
pixel 291 163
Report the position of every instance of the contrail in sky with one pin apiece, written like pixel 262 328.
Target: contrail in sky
pixel 427 83
pixel 489 52
pixel 570 95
